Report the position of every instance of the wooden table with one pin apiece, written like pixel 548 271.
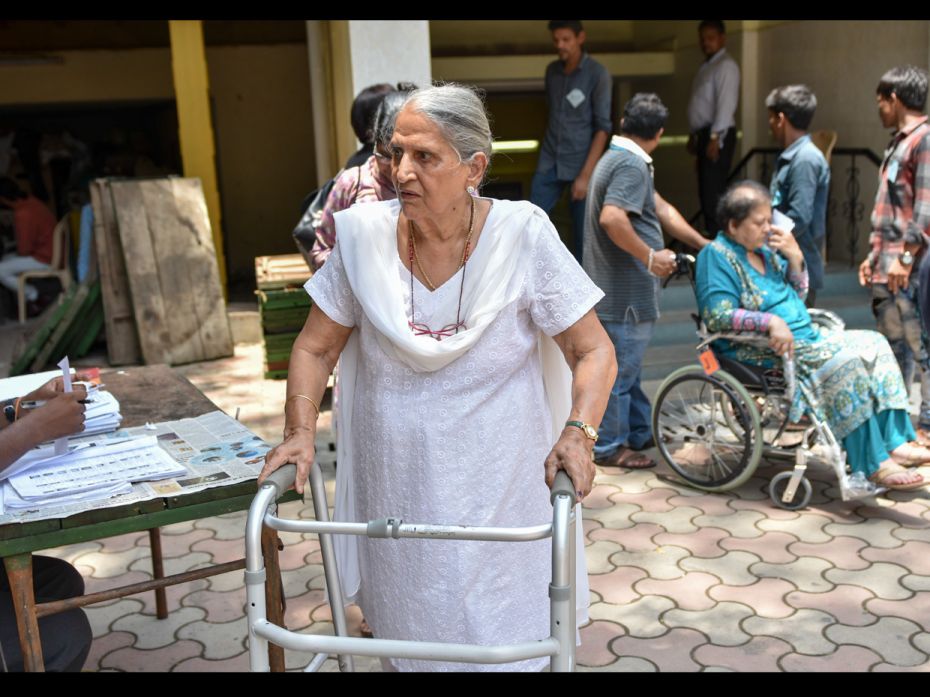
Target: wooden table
pixel 152 394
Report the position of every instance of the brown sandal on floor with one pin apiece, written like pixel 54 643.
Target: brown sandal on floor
pixel 880 477
pixel 628 459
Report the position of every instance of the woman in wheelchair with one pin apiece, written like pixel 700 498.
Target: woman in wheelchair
pixel 752 278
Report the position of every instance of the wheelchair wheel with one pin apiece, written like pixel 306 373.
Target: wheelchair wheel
pixel 707 428
pixel 802 494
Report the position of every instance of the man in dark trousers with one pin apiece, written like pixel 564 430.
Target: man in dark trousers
pixel 578 94
pixel 712 118
pixel 625 255
pixel 66 636
pixel 900 228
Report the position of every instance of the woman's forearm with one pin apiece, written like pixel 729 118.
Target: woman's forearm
pixel 307 375
pixel 313 357
pixel 798 277
pixel 593 375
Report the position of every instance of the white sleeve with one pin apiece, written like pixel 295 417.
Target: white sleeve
pixel 559 291
pixel 726 83
pixel 330 290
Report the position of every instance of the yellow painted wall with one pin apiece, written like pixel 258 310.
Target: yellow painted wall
pixel 89 76
pixel 264 137
pixel 262 118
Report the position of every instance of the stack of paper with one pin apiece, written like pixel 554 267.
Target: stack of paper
pixel 88 471
pixel 102 413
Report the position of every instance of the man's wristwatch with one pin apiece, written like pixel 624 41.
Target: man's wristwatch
pixel 906 259
pixel 9 411
pixel 588 429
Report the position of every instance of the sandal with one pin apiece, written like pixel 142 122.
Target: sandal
pixel 880 477
pixel 628 459
pixel 908 455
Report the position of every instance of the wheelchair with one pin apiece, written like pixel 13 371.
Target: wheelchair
pixel 714 423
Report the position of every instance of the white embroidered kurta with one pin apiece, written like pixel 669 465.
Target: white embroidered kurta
pixel 464 444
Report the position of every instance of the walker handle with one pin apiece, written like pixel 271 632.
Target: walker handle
pixel 563 485
pixel 282 478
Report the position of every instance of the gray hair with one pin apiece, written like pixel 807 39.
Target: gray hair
pixel 740 200
pixel 460 114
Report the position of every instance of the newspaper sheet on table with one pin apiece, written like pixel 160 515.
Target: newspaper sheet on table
pixel 215 449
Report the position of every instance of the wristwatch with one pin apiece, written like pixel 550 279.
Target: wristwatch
pixel 906 259
pixel 588 429
pixel 9 411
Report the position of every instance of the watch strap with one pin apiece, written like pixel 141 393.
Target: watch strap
pixel 587 429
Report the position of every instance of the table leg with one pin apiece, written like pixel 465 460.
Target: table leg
pixel 274 593
pixel 19 572
pixel 158 571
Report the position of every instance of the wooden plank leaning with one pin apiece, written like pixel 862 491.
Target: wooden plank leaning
pixel 122 338
pixel 179 307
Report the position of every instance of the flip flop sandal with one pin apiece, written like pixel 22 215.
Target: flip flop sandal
pixel 632 460
pixel 881 475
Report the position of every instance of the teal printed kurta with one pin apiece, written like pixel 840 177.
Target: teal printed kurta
pixel 853 373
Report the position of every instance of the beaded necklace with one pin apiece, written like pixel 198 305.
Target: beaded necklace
pixel 420 329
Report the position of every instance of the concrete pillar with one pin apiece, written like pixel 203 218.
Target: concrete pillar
pixel 750 98
pixel 195 124
pixel 345 57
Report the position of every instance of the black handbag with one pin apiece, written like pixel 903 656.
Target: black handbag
pixel 304 233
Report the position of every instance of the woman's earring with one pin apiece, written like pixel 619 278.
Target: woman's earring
pixel 471 190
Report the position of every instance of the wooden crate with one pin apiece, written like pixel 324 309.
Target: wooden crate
pixel 283 306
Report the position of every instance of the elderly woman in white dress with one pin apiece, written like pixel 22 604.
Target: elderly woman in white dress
pixel 473 368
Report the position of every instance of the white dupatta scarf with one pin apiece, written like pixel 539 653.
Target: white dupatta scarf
pixel 367 238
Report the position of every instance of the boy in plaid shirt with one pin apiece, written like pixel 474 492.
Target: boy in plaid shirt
pixel 901 228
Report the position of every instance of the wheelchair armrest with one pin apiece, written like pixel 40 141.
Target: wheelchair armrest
pixel 282 479
pixel 736 337
pixel 826 319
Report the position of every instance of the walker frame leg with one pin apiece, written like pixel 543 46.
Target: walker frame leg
pixel 331 573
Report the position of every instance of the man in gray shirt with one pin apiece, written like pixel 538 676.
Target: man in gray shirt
pixel 578 94
pixel 624 254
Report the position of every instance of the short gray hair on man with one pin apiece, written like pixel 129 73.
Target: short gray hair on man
pixel 460 114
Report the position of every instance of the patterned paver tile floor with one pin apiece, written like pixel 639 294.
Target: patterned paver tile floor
pixel 681 580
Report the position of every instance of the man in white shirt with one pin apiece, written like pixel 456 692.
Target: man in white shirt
pixel 712 118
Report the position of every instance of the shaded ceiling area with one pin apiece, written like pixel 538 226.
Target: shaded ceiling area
pixel 514 37
pixel 64 35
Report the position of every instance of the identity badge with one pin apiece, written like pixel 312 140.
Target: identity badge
pixel 575 97
pixel 892 170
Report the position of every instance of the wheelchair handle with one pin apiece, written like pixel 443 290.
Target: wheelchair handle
pixel 563 485
pixel 282 478
pixel 684 266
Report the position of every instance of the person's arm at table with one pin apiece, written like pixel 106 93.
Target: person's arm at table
pixel 62 415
